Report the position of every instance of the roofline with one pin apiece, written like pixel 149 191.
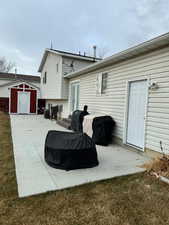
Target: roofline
pixel 11 84
pixel 14 76
pixel 66 54
pixel 20 74
pixel 85 57
pixel 145 47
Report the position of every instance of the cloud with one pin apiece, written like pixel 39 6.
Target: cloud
pixel 17 57
pixel 27 27
pixel 150 18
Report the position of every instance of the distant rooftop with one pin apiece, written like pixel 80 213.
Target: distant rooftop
pixel 67 54
pixel 76 54
pixel 23 77
pixel 130 53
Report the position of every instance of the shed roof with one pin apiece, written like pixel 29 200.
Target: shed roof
pixel 145 47
pixel 13 83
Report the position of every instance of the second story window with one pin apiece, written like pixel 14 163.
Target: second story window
pixel 57 67
pixel 104 81
pixel 45 78
pixel 101 83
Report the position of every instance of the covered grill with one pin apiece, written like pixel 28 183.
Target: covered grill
pixel 99 127
pixel 68 151
pixel 103 128
pixel 77 119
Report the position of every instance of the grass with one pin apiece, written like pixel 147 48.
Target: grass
pixel 132 200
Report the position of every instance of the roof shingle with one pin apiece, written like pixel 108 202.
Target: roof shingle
pixel 23 77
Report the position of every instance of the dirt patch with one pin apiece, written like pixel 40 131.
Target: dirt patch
pixel 132 200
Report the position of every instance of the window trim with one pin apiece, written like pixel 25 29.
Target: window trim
pixel 57 67
pixel 100 89
pixel 45 78
pixel 104 79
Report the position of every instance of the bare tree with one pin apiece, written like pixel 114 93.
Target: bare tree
pixel 5 66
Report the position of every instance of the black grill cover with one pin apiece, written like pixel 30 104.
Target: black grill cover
pixel 47 114
pixel 54 110
pixel 103 127
pixel 77 120
pixel 68 151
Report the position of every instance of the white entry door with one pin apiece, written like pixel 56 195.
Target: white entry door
pixel 136 113
pixel 74 96
pixel 23 102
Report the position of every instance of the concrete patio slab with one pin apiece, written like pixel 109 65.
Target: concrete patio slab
pixel 34 176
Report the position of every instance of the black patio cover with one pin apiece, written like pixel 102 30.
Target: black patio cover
pixel 68 151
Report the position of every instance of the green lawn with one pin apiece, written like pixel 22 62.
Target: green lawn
pixel 131 200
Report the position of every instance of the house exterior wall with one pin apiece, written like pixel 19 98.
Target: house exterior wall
pixel 66 68
pixel 52 88
pixel 77 64
pixel 4 91
pixel 154 66
pixel 56 87
pixel 3 81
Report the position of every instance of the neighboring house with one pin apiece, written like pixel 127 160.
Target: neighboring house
pixel 54 66
pixel 131 86
pixel 20 94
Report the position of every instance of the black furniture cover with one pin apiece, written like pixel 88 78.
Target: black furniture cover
pixel 103 128
pixel 77 120
pixel 54 111
pixel 68 151
pixel 47 114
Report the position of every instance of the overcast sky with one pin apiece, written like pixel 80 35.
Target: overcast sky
pixel 28 26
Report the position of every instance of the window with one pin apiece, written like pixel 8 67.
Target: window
pixel 101 83
pixel 45 78
pixel 57 67
pixel 104 81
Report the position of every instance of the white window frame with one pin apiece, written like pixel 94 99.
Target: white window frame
pixel 104 88
pixel 57 67
pixel 70 84
pixel 99 83
pixel 45 78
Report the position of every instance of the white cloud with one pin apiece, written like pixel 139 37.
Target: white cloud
pixel 150 18
pixel 27 27
pixel 23 63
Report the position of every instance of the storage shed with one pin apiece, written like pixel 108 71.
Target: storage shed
pixel 23 99
pixel 20 94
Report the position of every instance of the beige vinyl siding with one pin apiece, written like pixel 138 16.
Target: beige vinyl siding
pixel 52 89
pixel 66 68
pixel 77 64
pixel 154 66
